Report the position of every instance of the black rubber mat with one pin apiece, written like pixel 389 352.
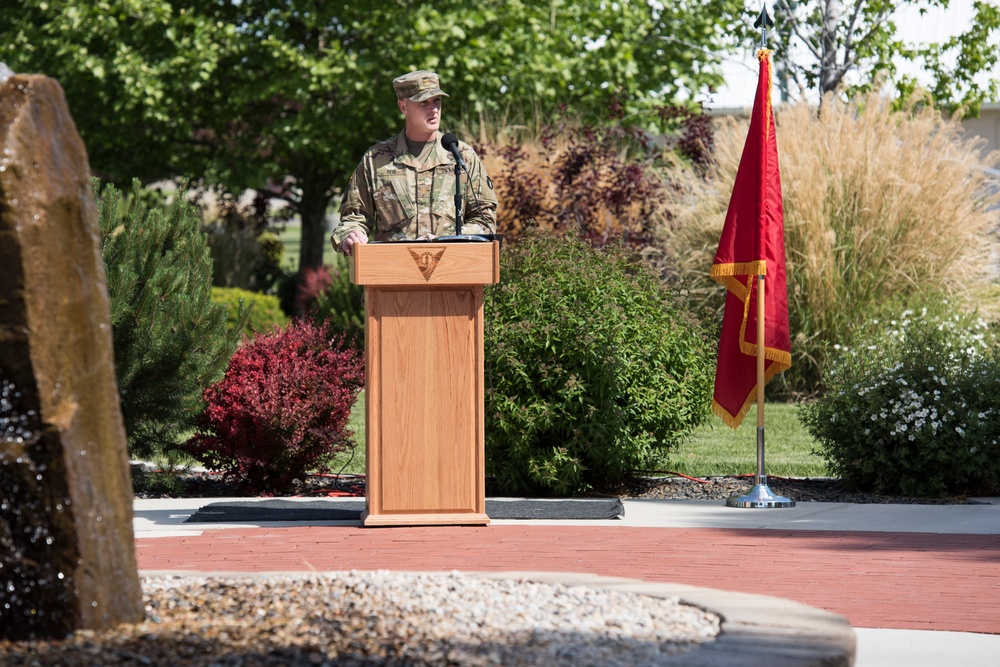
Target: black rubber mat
pixel 254 511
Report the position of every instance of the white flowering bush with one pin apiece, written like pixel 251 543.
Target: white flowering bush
pixel 912 407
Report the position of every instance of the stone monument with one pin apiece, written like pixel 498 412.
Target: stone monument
pixel 67 550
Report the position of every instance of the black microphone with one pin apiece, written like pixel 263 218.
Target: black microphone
pixel 450 141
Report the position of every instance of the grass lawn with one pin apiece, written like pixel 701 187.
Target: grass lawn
pixel 344 462
pixel 716 449
pixel 712 450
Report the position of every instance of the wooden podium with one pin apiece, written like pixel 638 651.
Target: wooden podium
pixel 424 434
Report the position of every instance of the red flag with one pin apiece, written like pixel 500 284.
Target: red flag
pixel 752 244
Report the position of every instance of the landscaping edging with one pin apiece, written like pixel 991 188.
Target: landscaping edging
pixel 757 630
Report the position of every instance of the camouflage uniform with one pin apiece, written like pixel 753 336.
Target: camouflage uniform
pixel 395 197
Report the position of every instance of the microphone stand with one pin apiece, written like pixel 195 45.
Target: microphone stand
pixel 450 142
pixel 458 213
pixel 458 199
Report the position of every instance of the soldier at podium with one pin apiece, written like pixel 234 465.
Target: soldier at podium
pixel 404 188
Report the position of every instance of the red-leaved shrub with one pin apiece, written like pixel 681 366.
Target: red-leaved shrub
pixel 580 180
pixel 281 408
pixel 314 284
pixel 329 298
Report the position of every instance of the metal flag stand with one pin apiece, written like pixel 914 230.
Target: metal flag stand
pixel 760 496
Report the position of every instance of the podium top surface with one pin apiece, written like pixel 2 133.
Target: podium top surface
pixel 423 263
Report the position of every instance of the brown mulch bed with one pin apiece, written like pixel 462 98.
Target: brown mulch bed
pixel 190 484
pixel 824 490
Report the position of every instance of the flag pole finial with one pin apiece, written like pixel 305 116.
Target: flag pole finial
pixel 764 21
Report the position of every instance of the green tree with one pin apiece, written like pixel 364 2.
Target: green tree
pixel 171 341
pixel 287 96
pixel 128 67
pixel 823 41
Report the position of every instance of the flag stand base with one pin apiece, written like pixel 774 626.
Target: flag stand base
pixel 760 496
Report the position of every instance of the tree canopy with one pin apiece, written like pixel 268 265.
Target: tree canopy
pixel 823 42
pixel 286 96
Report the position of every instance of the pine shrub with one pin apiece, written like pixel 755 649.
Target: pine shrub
pixel 281 409
pixel 910 407
pixel 264 310
pixel 170 340
pixel 594 370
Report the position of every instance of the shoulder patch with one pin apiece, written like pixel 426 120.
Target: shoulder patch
pixel 489 182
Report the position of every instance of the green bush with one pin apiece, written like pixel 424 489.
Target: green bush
pixel 264 309
pixel 910 407
pixel 245 253
pixel 593 369
pixel 170 341
pixel 328 296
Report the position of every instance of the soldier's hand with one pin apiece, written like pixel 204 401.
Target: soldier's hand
pixel 355 236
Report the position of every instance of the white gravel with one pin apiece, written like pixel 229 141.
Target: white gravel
pixel 382 618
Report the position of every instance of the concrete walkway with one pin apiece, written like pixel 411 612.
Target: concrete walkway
pixel 919 583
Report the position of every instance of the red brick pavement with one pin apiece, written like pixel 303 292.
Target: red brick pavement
pixel 919 581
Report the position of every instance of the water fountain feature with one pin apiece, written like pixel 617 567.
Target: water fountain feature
pixel 67 551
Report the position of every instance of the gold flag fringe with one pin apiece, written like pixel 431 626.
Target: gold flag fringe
pixel 755 268
pixel 729 274
pixel 734 421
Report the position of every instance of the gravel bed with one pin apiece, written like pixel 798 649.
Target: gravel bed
pixel 381 618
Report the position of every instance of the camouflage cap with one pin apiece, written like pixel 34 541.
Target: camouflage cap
pixel 417 86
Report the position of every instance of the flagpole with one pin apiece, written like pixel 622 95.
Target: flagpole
pixel 760 496
pixel 761 380
pixel 761 313
pixel 753 239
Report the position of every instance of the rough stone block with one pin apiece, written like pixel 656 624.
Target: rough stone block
pixel 67 551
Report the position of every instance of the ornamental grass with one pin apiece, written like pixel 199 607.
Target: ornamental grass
pixel 880 205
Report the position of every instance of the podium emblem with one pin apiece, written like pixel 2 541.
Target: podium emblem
pixel 426 261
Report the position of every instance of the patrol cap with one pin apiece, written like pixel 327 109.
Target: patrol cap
pixel 417 86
